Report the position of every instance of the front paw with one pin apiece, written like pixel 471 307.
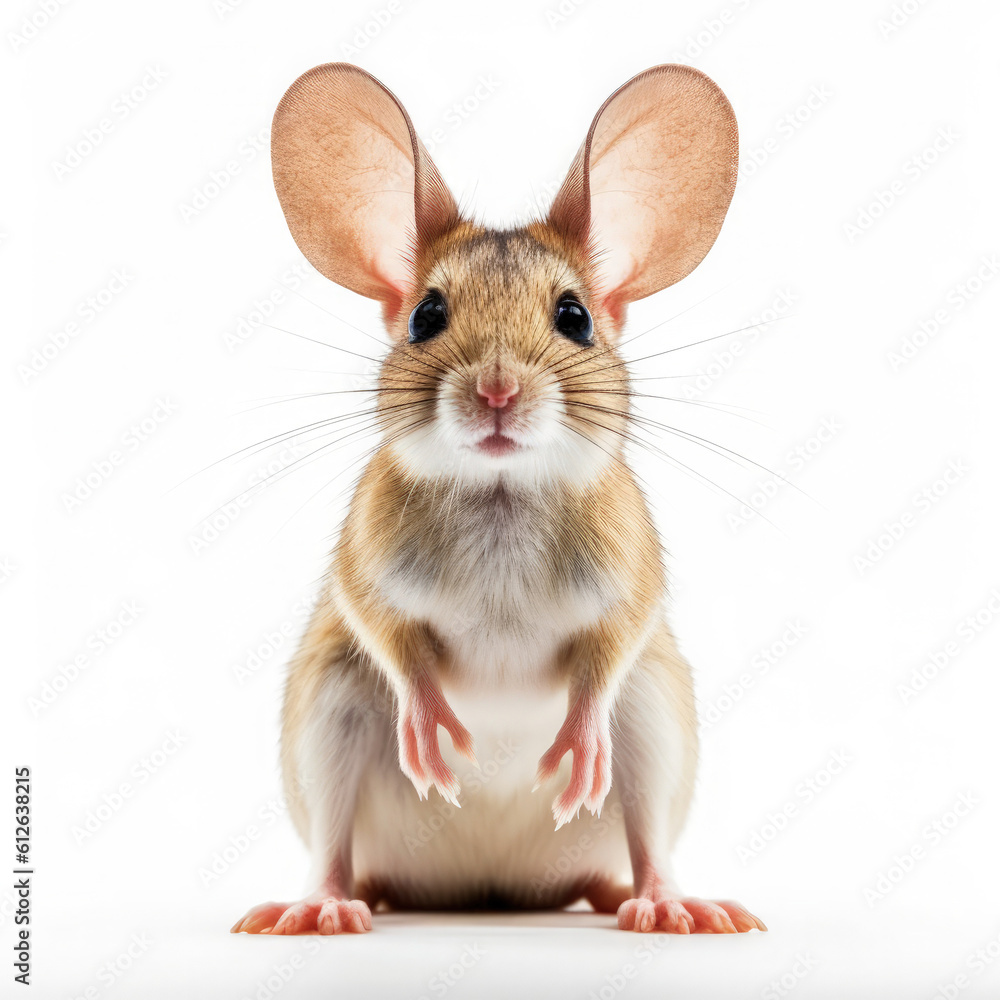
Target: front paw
pixel 587 733
pixel 421 710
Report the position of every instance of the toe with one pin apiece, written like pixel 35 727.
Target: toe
pixel 565 808
pixel 328 921
pixel 260 919
pixel 600 783
pixel 356 916
pixel 342 916
pixel 673 917
pixel 549 763
pixel 741 917
pixel 297 919
pixel 357 922
pixel 570 801
pixel 461 738
pixel 409 752
pixel 645 916
pixel 626 914
pixel 709 917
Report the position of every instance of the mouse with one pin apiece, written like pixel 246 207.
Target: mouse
pixel 488 708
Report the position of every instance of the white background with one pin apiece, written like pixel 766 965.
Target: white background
pixel 846 217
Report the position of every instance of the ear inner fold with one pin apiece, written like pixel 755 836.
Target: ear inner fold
pixel 359 192
pixel 648 191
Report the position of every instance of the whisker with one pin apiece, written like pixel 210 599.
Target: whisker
pixel 339 319
pixel 296 397
pixel 726 408
pixel 657 326
pixel 354 433
pixel 591 441
pixel 411 356
pixel 706 340
pixel 356 354
pixel 631 378
pixel 625 363
pixel 351 437
pixel 655 450
pixel 283 436
pixel 350 465
pixel 621 462
pixel 714 446
pixel 670 319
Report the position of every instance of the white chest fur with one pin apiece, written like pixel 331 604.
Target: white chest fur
pixel 498 590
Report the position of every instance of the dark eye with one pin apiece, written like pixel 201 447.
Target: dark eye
pixel 573 320
pixel 428 319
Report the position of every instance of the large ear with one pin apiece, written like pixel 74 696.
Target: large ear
pixel 359 192
pixel 649 188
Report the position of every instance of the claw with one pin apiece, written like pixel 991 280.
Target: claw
pixel 421 712
pixel 587 733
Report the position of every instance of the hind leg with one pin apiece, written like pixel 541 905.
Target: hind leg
pixel 655 759
pixel 332 723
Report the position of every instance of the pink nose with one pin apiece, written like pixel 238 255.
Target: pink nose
pixel 498 395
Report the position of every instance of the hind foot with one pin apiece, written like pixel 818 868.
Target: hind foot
pixel 686 916
pixel 321 914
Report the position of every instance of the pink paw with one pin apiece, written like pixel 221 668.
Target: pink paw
pixel 420 714
pixel 587 733
pixel 686 916
pixel 327 915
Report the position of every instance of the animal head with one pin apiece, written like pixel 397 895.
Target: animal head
pixel 503 362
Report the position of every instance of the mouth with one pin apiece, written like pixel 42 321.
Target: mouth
pixel 496 444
